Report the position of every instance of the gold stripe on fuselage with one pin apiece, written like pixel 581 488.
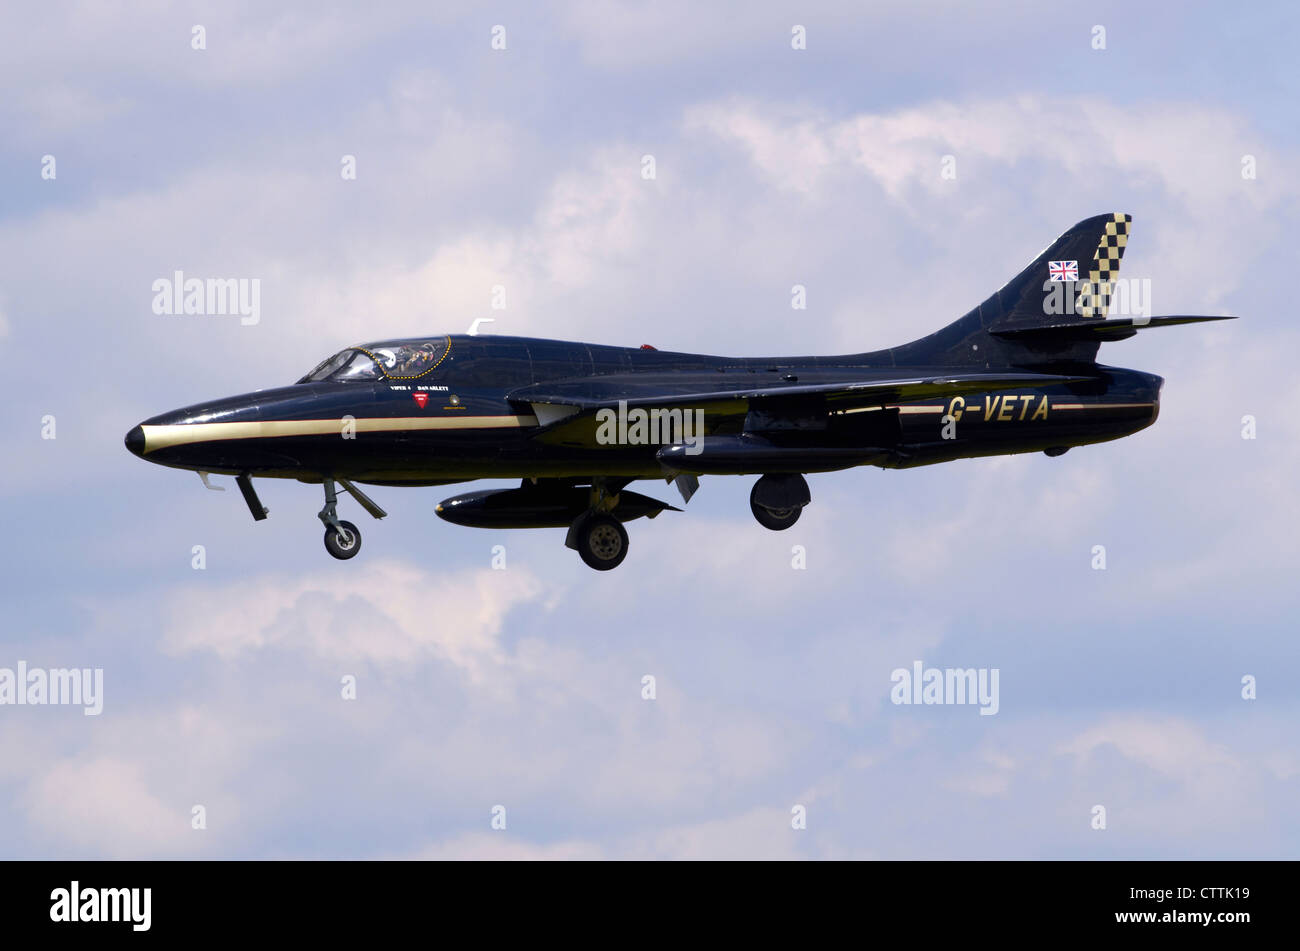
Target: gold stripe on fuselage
pixel 1103 405
pixel 183 434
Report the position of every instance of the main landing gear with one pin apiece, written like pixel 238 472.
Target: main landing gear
pixel 342 538
pixel 599 538
pixel 778 500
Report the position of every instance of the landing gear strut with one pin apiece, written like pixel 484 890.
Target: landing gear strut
pixel 343 539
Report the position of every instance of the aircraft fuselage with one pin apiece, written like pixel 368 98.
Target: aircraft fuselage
pixel 456 424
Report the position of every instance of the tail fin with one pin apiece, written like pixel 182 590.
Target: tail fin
pixel 1054 311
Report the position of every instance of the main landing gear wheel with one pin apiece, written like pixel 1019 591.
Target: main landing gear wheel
pixel 601 541
pixel 342 541
pixel 775 519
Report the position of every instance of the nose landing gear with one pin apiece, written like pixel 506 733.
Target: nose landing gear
pixel 342 538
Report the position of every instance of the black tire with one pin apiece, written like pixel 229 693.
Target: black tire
pixel 602 542
pixel 776 519
pixel 345 546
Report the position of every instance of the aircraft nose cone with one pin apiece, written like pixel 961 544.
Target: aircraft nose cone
pixel 135 441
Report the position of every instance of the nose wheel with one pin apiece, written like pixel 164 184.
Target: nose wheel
pixel 342 538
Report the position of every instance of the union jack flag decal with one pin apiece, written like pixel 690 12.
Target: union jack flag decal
pixel 1063 270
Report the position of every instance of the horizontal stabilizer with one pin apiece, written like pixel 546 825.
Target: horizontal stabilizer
pixel 1094 328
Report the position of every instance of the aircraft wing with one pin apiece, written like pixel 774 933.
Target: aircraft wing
pixel 848 388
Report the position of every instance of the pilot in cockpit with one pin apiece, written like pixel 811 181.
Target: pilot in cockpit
pixel 417 360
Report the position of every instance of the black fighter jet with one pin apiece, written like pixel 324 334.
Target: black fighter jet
pixel 577 423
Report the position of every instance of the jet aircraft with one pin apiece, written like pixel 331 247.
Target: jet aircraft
pixel 578 423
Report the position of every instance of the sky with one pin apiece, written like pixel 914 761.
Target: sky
pixel 517 692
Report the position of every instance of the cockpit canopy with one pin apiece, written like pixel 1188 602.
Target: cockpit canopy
pixel 387 360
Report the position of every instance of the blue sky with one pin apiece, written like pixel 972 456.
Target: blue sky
pixel 522 687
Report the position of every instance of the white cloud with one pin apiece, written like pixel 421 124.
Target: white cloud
pixel 760 833
pixel 1170 746
pixel 1193 152
pixel 104 806
pixel 384 612
pixel 503 846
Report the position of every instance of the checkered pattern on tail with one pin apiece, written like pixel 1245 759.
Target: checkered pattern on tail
pixel 1094 298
